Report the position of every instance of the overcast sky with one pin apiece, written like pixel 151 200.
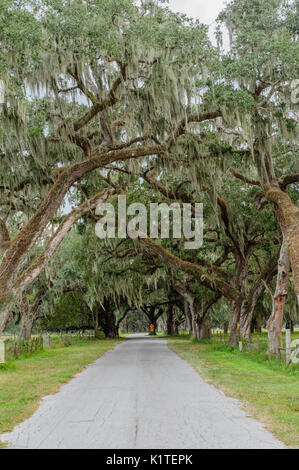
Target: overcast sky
pixel 205 10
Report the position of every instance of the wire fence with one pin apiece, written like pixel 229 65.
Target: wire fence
pixel 13 348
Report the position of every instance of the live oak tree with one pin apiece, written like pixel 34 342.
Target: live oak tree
pixel 65 312
pixel 108 277
pixel 263 62
pixel 75 103
pixel 78 281
pixel 242 238
pixel 134 322
pixel 29 310
pixel 250 229
pixel 140 103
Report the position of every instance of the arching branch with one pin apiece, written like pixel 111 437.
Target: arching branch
pixel 39 263
pixel 4 237
pixel 196 271
pixel 288 179
pixel 244 178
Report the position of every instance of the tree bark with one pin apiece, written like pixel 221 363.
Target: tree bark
pixel 259 322
pixel 107 320
pixel 195 330
pixel 107 324
pixel 171 323
pixel 292 327
pixel 233 324
pixel 26 327
pixel 4 237
pixel 29 313
pixel 274 324
pixel 204 328
pixel 28 317
pixel 202 323
pixel 122 319
pixel 95 324
pixel 240 285
pixel 289 218
pixel 188 316
pixel 191 307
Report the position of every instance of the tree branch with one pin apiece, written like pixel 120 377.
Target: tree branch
pixel 191 118
pixel 288 179
pixel 194 270
pixel 244 178
pixel 4 237
pixel 204 310
pixel 32 230
pixel 110 100
pixel 123 317
pixel 39 263
pixel 225 218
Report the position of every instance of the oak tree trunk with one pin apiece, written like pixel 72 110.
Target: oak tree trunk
pixel 107 322
pixel 289 218
pixel 233 325
pixel 259 322
pixel 255 293
pixel 237 305
pixel 204 328
pixel 171 324
pixel 26 328
pixel 188 316
pixel 274 324
pixel 95 324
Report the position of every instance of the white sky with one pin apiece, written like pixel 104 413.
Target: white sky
pixel 204 10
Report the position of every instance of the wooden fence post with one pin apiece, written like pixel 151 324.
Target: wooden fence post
pixel 288 346
pixel 46 341
pixel 2 352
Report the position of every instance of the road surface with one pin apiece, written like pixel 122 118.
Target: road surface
pixel 141 395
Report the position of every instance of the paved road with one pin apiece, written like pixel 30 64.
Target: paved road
pixel 140 395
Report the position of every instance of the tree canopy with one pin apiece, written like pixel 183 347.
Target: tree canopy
pixel 106 97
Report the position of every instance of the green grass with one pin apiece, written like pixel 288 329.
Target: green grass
pixel 269 390
pixel 181 334
pixel 25 381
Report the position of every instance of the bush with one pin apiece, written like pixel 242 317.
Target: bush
pixel 66 341
pixel 101 335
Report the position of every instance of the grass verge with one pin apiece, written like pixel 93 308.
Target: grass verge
pixel 268 390
pixel 25 381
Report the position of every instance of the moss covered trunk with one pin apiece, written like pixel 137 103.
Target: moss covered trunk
pixel 171 320
pixel 274 324
pixel 204 328
pixel 236 305
pixel 288 214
